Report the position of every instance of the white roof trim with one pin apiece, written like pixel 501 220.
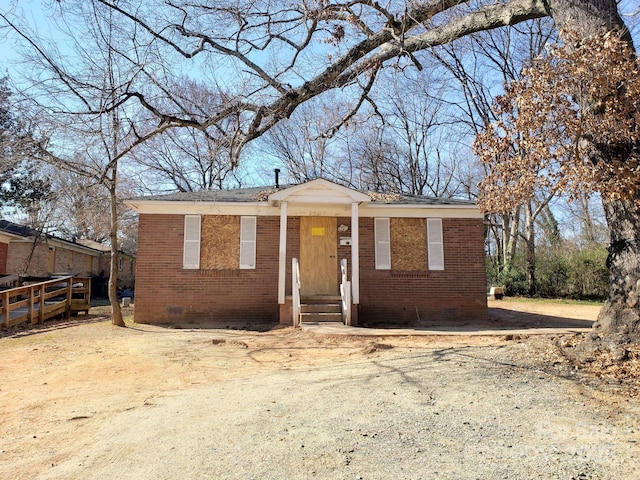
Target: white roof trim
pixel 304 210
pixel 418 210
pixel 319 191
pixel 6 237
pixel 76 247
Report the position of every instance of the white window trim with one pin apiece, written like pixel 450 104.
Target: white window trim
pixel 435 244
pixel 191 248
pixel 248 241
pixel 383 246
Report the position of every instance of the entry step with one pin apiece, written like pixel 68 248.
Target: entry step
pixel 320 308
pixel 318 317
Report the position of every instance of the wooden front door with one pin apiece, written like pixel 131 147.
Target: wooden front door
pixel 318 256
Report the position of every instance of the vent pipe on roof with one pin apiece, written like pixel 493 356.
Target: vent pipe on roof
pixel 277 172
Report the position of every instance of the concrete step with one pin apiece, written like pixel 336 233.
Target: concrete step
pixel 320 308
pixel 320 299
pixel 320 317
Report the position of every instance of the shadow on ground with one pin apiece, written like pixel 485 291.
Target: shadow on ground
pixel 499 319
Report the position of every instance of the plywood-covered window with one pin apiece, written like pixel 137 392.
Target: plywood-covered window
pixel 227 242
pixel 248 231
pixel 435 244
pixel 382 239
pixel 191 251
pixel 408 244
pixel 220 249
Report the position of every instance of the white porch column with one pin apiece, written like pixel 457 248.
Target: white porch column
pixel 282 258
pixel 355 255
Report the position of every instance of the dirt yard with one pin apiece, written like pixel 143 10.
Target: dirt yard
pixel 82 399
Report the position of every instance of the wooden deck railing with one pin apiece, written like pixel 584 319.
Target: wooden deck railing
pixel 41 301
pixel 9 281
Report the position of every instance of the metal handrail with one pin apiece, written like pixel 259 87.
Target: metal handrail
pixel 345 293
pixel 295 290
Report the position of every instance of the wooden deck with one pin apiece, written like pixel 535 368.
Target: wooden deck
pixel 35 303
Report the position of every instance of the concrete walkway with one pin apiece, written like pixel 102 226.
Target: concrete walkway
pixel 331 328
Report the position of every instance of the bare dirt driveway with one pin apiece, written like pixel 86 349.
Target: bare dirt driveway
pixel 91 401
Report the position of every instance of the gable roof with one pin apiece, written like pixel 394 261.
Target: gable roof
pixel 16 230
pixel 318 191
pixel 23 232
pixel 288 192
pixel 251 194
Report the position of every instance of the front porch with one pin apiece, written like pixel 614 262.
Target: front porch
pixel 318 293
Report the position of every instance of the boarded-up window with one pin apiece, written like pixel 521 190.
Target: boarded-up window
pixel 220 248
pixel 191 253
pixel 435 242
pixel 248 229
pixel 383 252
pixel 408 244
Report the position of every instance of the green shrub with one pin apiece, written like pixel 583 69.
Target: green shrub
pixel 514 281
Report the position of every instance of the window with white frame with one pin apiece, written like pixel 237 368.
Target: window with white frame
pixel 191 251
pixel 383 244
pixel 435 244
pixel 193 243
pixel 248 230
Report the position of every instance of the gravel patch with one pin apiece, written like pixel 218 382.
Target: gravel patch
pixel 460 412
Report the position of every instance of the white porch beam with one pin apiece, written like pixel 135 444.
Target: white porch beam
pixel 282 258
pixel 355 255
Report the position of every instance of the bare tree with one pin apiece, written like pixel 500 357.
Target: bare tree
pixel 189 159
pixel 186 160
pixel 304 149
pixel 85 127
pixel 405 151
pixel 279 55
pixel 481 64
pixel 567 127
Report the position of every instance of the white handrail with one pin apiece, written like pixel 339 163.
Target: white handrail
pixel 345 293
pixel 295 291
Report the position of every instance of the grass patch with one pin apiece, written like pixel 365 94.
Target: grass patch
pixel 554 301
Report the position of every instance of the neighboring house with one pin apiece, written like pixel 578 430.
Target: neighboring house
pixel 227 255
pixel 126 263
pixel 25 252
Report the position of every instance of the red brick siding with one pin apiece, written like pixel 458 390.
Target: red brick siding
pixel 458 292
pixel 166 293
pixel 18 255
pixel 4 249
pixel 70 261
pixel 293 247
pixel 75 263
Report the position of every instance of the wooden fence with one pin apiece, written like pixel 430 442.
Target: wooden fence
pixel 35 303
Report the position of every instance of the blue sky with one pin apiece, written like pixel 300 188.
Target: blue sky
pixel 33 13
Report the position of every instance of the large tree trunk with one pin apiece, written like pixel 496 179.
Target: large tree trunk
pixel 510 237
pixel 619 320
pixel 530 240
pixel 116 312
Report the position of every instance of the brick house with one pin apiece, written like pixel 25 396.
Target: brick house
pixel 21 254
pixel 228 256
pixel 126 263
